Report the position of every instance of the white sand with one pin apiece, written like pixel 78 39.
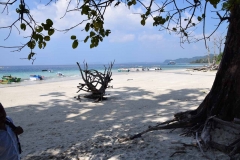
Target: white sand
pixel 55 122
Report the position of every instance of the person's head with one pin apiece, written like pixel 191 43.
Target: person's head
pixel 2 114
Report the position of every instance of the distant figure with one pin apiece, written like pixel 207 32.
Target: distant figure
pixel 10 148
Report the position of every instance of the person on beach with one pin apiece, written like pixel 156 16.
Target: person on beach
pixel 10 148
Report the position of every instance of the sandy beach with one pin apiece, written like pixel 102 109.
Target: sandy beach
pixel 58 126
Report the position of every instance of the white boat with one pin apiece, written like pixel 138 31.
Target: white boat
pixel 35 77
pixel 123 70
pixel 154 69
pixel 171 63
pixel 60 74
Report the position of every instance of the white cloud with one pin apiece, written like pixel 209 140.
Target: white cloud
pixel 150 37
pixel 121 37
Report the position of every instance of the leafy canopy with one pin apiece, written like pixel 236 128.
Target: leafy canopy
pixel 167 15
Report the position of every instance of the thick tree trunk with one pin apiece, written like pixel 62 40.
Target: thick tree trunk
pixel 224 98
pixel 222 104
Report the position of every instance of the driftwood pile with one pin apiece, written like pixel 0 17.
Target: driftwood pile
pixel 212 67
pixel 95 82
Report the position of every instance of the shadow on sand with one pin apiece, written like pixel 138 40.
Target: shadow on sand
pixel 90 130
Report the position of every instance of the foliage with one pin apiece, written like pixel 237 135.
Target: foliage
pixel 205 59
pixel 167 15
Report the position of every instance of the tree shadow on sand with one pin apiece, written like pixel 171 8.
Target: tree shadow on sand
pixel 68 129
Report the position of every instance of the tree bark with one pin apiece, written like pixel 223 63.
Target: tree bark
pixel 224 98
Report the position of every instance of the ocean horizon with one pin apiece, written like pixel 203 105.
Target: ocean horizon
pixel 72 71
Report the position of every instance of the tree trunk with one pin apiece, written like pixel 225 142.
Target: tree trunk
pixel 224 98
pixel 223 101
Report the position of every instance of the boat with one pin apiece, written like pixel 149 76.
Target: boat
pixel 35 77
pixel 47 70
pixel 123 70
pixel 5 82
pixel 135 69
pixel 11 79
pixel 154 69
pixel 60 74
pixel 171 63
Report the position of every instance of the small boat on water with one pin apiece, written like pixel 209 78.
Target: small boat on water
pixel 59 74
pixel 154 69
pixel 47 70
pixel 123 70
pixel 5 82
pixel 11 79
pixel 35 77
pixel 171 63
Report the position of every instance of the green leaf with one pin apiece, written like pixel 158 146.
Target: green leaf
pixel 193 24
pixel 91 45
pixel 25 11
pixel 21 6
pixel 214 2
pixel 46 38
pixel 107 32
pixel 39 29
pixel 17 10
pixel 46 27
pixel 143 22
pixel 44 44
pixel 75 44
pixel 129 4
pixel 199 18
pixel 86 39
pixel 174 29
pixel 49 22
pixel 31 55
pixel 35 36
pixel 40 45
pixel 40 37
pixel 73 37
pixel 23 26
pixel 92 34
pixel 87 27
pixel 31 44
pixel 50 32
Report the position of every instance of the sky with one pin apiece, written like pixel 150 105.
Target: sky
pixel 128 42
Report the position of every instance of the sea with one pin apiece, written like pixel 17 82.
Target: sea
pixel 71 72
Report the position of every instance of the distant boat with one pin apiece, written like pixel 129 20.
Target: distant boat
pixel 35 77
pixel 60 74
pixel 154 68
pixel 171 63
pixel 10 78
pixel 47 70
pixel 123 70
pixel 5 82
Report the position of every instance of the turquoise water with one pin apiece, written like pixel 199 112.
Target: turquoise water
pixel 72 71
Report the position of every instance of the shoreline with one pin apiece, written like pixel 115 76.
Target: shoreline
pixel 61 79
pixel 59 126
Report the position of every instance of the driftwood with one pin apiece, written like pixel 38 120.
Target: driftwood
pixel 206 130
pixel 211 67
pixel 95 82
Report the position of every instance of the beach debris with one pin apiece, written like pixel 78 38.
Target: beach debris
pixel 95 82
pixel 212 67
